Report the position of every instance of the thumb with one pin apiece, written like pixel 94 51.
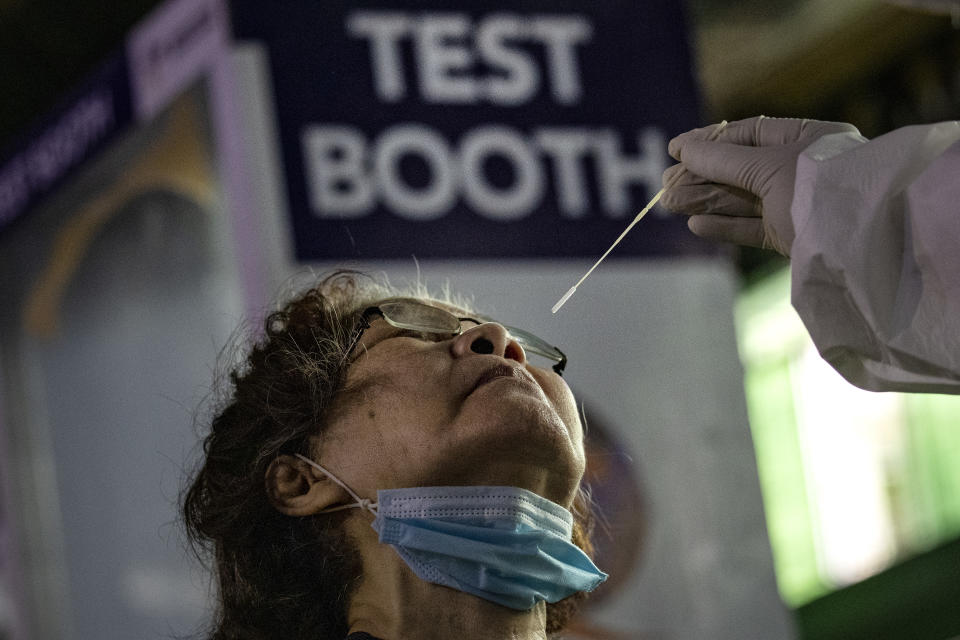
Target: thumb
pixel 744 231
pixel 748 168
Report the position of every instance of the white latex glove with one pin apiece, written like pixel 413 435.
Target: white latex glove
pixel 739 187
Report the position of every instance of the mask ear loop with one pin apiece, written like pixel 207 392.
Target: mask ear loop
pixel 361 503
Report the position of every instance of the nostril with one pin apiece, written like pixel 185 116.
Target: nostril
pixel 514 352
pixel 481 345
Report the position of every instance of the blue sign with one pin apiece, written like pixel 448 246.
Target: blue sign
pixel 475 128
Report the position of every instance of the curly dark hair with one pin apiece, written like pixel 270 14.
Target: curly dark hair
pixel 280 576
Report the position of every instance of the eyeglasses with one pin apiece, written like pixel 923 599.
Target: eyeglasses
pixel 417 316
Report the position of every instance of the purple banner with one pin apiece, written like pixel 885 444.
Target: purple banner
pixel 475 128
pixel 84 124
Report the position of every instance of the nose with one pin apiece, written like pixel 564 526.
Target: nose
pixel 489 338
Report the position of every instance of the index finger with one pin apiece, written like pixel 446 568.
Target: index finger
pixel 761 131
pixel 701 133
pixel 748 132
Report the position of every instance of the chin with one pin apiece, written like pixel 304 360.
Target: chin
pixel 535 442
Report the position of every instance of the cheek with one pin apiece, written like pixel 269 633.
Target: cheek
pixel 409 402
pixel 563 402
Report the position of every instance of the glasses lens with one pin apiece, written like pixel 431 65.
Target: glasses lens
pixel 420 317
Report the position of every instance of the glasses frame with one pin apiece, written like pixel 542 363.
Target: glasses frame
pixel 527 340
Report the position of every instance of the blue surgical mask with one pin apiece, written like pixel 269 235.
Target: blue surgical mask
pixel 503 544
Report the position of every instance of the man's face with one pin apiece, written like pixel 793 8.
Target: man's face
pixel 433 410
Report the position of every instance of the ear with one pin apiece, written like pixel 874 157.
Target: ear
pixel 297 489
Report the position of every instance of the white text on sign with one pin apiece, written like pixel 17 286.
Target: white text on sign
pixel 347 175
pixel 502 59
pixel 447 46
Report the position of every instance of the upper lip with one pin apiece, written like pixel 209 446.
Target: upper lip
pixel 503 370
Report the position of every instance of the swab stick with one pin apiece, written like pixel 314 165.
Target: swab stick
pixel 562 301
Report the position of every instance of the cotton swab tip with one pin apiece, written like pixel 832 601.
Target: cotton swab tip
pixel 562 301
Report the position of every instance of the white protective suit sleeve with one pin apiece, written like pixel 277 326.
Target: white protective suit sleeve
pixel 876 259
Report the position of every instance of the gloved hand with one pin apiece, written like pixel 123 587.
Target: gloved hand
pixel 739 187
